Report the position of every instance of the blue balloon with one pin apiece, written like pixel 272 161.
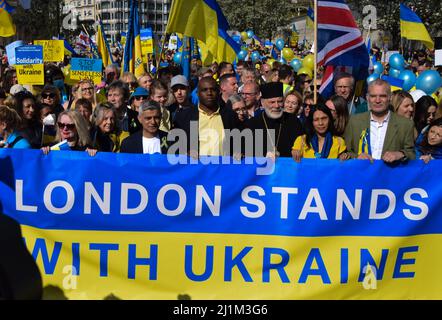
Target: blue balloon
pixel 282 60
pixel 242 55
pixel 250 34
pixel 280 44
pixel 296 64
pixel 409 79
pixel 429 81
pixel 394 73
pixel 255 56
pixel 396 61
pixel 378 68
pixel 177 58
pixel 373 77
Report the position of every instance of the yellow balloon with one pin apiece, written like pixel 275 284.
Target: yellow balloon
pixel 244 35
pixel 287 54
pixel 309 62
pixel 270 62
pixel 307 71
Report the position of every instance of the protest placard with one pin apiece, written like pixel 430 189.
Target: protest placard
pixel 82 68
pixel 10 50
pixel 53 50
pixel 29 65
pixel 146 42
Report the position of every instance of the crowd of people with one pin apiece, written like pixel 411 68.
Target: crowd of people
pixel 267 99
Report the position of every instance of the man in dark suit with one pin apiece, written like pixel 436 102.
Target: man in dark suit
pixel 380 133
pixel 204 127
pixel 150 139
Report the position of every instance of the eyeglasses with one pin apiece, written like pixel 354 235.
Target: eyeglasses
pixel 87 89
pixel 48 95
pixel 69 126
pixel 138 98
pixel 239 111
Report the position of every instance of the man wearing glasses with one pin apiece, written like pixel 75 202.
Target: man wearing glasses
pixel 252 95
pixel 344 87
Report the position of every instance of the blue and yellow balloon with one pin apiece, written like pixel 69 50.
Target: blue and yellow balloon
pixel 396 61
pixel 372 77
pixel 409 79
pixel 280 43
pixel 429 81
pixel 242 55
pixel 378 68
pixel 296 64
pixel 177 58
pixel 255 56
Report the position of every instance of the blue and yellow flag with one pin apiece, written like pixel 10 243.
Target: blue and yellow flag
pixel 7 26
pixel 413 28
pixel 204 20
pixel 310 18
pixel 133 58
pixel 103 45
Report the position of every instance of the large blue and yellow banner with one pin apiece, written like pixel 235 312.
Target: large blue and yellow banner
pixel 139 227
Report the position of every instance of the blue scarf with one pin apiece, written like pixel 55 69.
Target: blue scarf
pixel 325 148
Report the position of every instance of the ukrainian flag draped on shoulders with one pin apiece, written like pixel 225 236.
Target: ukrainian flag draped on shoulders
pixel 7 26
pixel 413 28
pixel 204 21
pixel 133 57
pixel 103 45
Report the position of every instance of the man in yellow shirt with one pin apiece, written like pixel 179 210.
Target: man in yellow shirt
pixel 204 127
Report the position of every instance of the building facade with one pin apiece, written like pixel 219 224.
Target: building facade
pixel 115 15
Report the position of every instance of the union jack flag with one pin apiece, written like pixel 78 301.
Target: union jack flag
pixel 340 45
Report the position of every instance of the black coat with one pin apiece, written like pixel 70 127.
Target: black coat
pixel 183 119
pixel 134 143
pixel 288 127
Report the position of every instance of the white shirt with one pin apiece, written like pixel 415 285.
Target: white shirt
pixel 377 136
pixel 151 145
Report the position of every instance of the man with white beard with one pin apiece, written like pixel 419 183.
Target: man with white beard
pixel 280 129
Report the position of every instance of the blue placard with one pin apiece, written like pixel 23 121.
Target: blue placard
pixel 146 34
pixel 10 51
pixel 29 55
pixel 83 64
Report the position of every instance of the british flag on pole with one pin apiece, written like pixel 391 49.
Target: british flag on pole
pixel 340 44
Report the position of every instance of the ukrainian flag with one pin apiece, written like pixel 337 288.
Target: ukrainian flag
pixel 63 145
pixel 310 18
pixel 204 20
pixel 133 57
pixel 103 46
pixel 7 27
pixel 412 27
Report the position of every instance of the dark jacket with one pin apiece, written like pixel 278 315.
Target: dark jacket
pixel 184 118
pixel 134 143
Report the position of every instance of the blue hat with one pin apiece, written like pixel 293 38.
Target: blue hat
pixel 139 92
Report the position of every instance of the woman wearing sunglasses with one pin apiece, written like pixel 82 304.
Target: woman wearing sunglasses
pixel 50 95
pixel 72 127
pixel 319 140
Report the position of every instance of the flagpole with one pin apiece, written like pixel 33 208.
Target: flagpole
pixel 315 51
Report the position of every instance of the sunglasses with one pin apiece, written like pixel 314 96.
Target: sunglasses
pixel 138 98
pixel 69 126
pixel 48 95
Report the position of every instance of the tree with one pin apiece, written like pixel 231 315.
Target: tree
pixel 42 21
pixel 261 16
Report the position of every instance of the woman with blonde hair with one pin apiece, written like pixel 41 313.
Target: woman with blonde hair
pixel 72 127
pixel 145 81
pixel 403 104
